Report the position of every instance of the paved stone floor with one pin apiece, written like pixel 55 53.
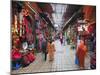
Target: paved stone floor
pixel 64 60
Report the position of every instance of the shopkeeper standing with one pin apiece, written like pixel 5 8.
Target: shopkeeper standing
pixel 44 48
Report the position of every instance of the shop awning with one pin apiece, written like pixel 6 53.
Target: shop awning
pixel 72 19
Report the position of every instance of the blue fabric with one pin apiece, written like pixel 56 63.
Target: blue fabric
pixel 18 66
pixel 76 60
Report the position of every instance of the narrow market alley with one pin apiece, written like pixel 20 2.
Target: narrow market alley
pixel 52 37
pixel 63 61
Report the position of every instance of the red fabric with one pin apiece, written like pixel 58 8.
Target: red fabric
pixel 25 22
pixel 81 57
pixel 16 54
pixel 81 53
pixel 88 11
pixel 37 31
pixel 91 27
pixel 25 60
pixel 29 37
pixel 36 7
pixel 17 42
pixel 31 57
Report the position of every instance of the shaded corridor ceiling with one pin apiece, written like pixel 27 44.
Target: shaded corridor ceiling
pixel 58 14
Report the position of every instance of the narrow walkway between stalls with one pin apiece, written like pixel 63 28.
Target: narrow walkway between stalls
pixel 64 60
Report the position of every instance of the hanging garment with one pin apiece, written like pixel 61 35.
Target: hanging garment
pixel 20 17
pixel 23 38
pixel 37 21
pixel 37 31
pixel 37 24
pixel 16 54
pixel 17 42
pixel 40 41
pixel 31 57
pixel 25 23
pixel 30 38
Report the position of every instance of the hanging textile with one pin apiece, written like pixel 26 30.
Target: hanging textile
pixel 37 21
pixel 40 41
pixel 15 24
pixel 29 37
pixel 25 22
pixel 37 24
pixel 92 27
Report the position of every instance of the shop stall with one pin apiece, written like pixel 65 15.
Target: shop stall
pixel 29 28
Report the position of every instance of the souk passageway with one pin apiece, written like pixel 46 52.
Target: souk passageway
pixel 64 58
pixel 49 37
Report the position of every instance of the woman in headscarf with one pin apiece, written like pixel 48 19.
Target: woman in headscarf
pixel 50 50
pixel 81 53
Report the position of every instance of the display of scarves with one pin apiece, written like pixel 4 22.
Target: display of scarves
pixel 37 31
pixel 29 37
pixel 37 24
pixel 40 41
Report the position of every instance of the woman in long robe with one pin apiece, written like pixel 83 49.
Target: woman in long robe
pixel 81 53
pixel 51 50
